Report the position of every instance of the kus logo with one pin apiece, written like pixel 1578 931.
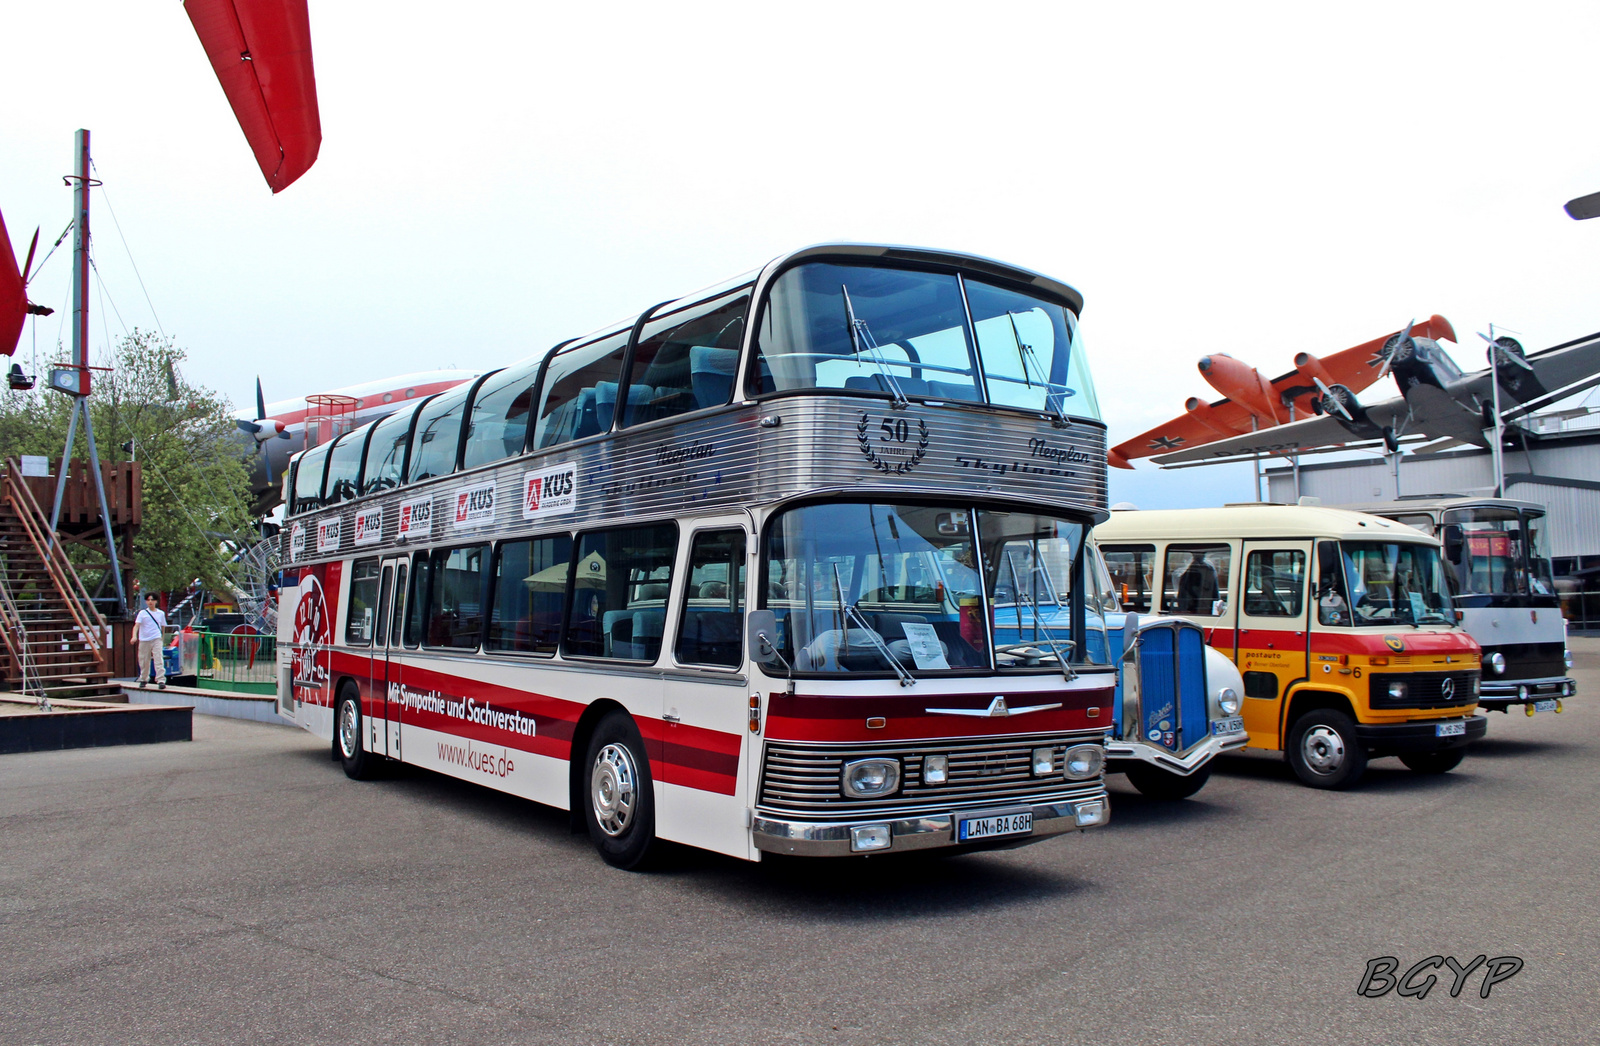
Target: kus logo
pixel 550 492
pixel 297 541
pixel 369 526
pixel 328 533
pixel 475 505
pixel 416 518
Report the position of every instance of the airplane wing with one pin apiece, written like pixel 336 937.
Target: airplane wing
pixel 1356 368
pixel 1282 440
pixel 1550 375
pixel 261 52
pixel 1209 422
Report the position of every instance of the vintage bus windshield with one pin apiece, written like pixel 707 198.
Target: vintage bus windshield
pixel 921 335
pixel 1501 552
pixel 1383 583
pixel 853 585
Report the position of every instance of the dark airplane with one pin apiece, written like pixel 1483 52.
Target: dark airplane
pixel 1437 399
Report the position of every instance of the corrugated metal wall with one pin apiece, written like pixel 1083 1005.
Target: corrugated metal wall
pixel 1574 513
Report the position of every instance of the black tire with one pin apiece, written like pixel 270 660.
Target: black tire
pixel 1155 783
pixel 617 793
pixel 358 763
pixel 1441 761
pixel 1325 751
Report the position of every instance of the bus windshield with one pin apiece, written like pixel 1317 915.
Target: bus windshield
pixel 1388 582
pixel 921 335
pixel 1500 552
pixel 938 589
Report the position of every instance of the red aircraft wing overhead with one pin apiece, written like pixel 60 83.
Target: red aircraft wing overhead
pixel 13 295
pixel 1355 368
pixel 261 51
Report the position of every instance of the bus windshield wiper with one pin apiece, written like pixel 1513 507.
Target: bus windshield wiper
pixel 861 337
pixel 906 678
pixel 1018 599
pixel 1026 355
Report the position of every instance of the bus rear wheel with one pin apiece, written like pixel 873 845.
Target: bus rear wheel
pixel 1439 762
pixel 1325 751
pixel 618 795
pixel 359 764
pixel 1154 783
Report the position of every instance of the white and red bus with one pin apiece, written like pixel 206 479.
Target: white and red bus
pixel 730 572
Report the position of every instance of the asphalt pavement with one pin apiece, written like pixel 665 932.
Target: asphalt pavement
pixel 239 888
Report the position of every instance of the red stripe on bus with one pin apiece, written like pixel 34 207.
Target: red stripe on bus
pixel 843 718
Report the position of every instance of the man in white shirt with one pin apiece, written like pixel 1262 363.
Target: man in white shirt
pixel 148 623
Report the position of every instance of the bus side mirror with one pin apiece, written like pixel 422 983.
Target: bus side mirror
pixel 1452 542
pixel 761 630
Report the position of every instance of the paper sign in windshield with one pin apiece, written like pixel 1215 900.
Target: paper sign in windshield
pixel 1418 610
pixel 926 650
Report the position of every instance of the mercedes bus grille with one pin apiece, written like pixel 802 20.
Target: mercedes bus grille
pixel 1423 689
pixel 802 778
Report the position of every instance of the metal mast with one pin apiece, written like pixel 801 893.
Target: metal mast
pixel 74 379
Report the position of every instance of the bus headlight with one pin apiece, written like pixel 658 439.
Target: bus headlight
pixel 936 770
pixel 1398 690
pixel 1566 658
pixel 870 778
pixel 1084 761
pixel 1044 762
pixel 1496 661
pixel 1228 700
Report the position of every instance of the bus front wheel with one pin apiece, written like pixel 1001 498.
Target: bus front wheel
pixel 618 796
pixel 1325 751
pixel 359 764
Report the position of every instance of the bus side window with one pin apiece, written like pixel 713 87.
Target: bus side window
pixel 1333 602
pixel 618 596
pixel 308 478
pixel 498 422
pixel 686 360
pixel 1132 569
pixel 344 465
pixel 421 574
pixel 359 615
pixel 386 452
pixel 574 384
pixel 1196 580
pixel 711 631
pixel 1274 583
pixel 530 581
pixel 455 597
pixel 433 446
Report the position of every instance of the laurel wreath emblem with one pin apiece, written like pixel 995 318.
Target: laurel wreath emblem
pixel 896 468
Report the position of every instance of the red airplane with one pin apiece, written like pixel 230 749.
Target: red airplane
pixel 15 308
pixel 1250 402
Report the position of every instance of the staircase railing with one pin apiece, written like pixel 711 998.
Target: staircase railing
pixel 37 526
pixel 16 639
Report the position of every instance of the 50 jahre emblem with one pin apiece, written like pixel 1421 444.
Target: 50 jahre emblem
pixel 898 447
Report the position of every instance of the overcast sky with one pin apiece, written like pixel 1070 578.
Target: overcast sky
pixel 1256 180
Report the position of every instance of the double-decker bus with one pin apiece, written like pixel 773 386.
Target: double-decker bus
pixel 1499 565
pixel 728 572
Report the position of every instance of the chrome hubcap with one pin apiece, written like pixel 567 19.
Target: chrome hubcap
pixel 613 788
pixel 1322 749
pixel 349 741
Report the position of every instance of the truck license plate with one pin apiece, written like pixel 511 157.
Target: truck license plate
pixel 987 826
pixel 1227 726
pixel 1545 706
pixel 1450 729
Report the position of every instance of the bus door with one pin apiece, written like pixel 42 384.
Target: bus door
pixel 707 711
pixel 386 646
pixel 1272 637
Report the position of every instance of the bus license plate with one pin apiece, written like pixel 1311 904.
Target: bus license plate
pixel 1450 729
pixel 1227 726
pixel 1545 706
pixel 987 826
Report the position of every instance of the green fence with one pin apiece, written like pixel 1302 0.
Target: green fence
pixel 232 661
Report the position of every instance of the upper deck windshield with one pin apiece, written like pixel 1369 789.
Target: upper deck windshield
pixel 921 335
pixel 1501 552
pixel 1383 583
pixel 938 589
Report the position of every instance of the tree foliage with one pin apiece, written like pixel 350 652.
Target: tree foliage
pixel 194 473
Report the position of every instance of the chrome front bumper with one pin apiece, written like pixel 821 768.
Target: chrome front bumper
pixel 781 835
pixel 1164 759
pixel 1508 691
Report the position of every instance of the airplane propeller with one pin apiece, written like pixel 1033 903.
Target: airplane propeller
pixel 1505 348
pixel 1331 403
pixel 1390 352
pixel 262 429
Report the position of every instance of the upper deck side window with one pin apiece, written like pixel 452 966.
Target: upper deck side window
pixel 344 466
pixel 386 451
pixel 910 331
pixel 579 397
pixel 497 424
pixel 438 431
pixel 687 360
pixel 308 478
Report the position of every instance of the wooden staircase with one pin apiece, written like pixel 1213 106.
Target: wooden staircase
pixel 54 639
